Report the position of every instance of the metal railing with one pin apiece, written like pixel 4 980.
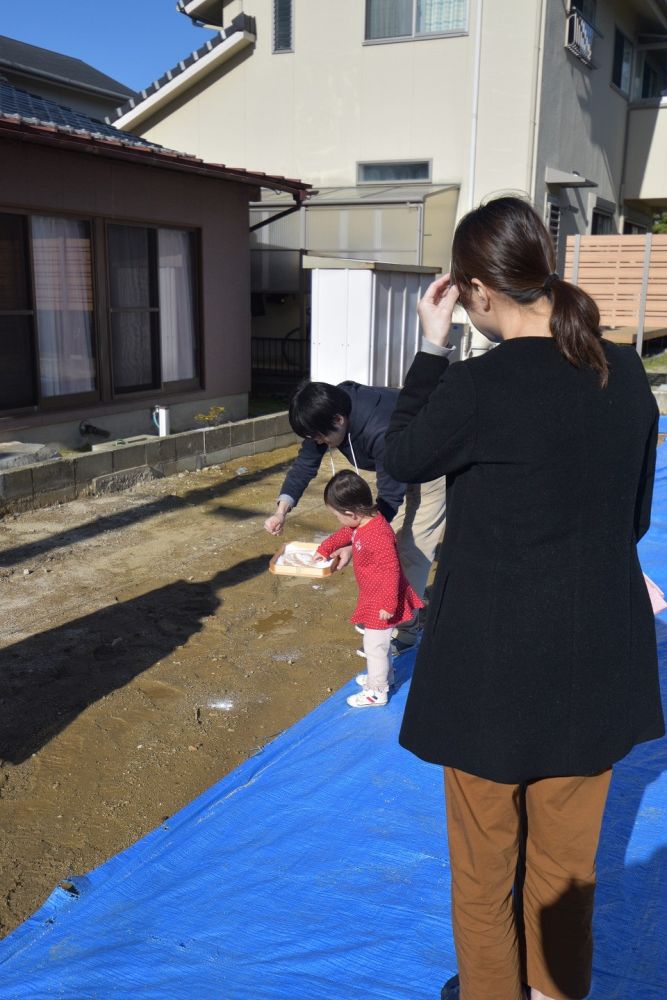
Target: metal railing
pixel 288 355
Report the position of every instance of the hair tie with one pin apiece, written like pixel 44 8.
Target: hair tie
pixel 551 280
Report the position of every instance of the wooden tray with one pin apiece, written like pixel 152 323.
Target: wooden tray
pixel 312 571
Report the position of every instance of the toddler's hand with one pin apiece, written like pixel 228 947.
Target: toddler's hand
pixel 384 615
pixel 344 557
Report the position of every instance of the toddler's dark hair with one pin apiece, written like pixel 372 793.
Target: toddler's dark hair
pixel 348 491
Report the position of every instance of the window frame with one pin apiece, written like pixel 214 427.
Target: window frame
pixel 601 212
pixel 274 50
pixel 617 86
pixel 415 36
pixel 581 5
pixel 104 392
pixel 197 382
pixel 394 163
pixel 44 404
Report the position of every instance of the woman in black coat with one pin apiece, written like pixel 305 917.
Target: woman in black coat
pixel 538 666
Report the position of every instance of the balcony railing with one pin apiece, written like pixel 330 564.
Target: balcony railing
pixel 579 37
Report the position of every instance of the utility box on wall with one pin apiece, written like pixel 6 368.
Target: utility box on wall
pixel 364 324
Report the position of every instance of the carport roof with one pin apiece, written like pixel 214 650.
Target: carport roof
pixel 366 194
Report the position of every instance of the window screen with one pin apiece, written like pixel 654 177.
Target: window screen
pixel 385 173
pixel 282 26
pixel 411 18
pixel 622 66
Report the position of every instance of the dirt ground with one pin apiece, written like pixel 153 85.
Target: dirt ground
pixel 145 652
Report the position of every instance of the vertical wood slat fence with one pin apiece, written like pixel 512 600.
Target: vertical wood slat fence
pixel 627 277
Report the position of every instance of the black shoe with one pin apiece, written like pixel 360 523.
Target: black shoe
pixel 450 991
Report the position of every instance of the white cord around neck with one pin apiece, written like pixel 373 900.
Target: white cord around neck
pixel 354 457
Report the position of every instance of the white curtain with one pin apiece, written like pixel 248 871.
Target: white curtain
pixel 389 18
pixel 177 305
pixel 441 15
pixel 64 305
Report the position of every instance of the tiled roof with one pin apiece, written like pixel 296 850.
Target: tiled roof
pixel 33 110
pixel 243 22
pixel 43 120
pixel 25 58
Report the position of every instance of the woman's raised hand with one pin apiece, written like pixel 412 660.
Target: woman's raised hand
pixel 435 310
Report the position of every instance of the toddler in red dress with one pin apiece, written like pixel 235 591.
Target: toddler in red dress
pixel 386 599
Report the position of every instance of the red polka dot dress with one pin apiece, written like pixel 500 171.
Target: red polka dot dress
pixel 381 581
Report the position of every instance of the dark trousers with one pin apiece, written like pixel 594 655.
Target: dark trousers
pixel 547 833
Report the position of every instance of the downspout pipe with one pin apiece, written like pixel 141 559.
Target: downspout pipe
pixel 537 98
pixel 299 198
pixel 472 158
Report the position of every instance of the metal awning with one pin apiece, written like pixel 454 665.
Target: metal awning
pixel 566 179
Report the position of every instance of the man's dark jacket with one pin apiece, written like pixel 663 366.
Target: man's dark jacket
pixel 539 651
pixel 368 421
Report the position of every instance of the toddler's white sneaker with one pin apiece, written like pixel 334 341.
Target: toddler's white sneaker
pixel 368 698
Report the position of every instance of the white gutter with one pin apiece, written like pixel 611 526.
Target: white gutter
pixel 472 159
pixel 202 66
pixel 537 102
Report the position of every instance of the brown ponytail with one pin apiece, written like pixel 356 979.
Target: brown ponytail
pixel 505 245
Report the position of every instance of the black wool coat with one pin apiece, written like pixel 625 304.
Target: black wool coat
pixel 539 652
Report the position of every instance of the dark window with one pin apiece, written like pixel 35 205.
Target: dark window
pixel 553 224
pixel 650 82
pixel 622 66
pixel 47 342
pixel 602 224
pixel 385 173
pixel 633 229
pixel 152 307
pixel 387 19
pixel 282 26
pixel 17 351
pixel 587 9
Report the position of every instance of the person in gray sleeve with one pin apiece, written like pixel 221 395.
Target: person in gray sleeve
pixel 354 418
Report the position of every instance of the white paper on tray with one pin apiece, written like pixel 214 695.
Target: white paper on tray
pixel 294 555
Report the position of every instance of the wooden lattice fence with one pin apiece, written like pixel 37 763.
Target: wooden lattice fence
pixel 627 277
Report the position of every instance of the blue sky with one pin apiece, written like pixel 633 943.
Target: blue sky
pixel 134 41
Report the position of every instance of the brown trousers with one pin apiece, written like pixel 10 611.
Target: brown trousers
pixel 523 878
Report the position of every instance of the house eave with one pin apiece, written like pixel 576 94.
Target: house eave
pixel 165 93
pixel 64 81
pixel 50 135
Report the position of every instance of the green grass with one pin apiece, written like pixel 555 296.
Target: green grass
pixel 656 362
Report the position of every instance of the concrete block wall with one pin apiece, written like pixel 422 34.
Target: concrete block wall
pixel 59 481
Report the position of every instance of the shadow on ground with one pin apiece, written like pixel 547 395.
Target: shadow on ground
pixel 47 680
pixel 153 508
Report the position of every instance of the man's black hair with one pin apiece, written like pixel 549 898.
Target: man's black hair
pixel 314 407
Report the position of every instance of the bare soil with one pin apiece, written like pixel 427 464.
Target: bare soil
pixel 145 651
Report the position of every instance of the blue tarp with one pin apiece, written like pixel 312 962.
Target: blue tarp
pixel 318 869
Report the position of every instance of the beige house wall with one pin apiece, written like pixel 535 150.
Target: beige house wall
pixel 335 100
pixel 646 163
